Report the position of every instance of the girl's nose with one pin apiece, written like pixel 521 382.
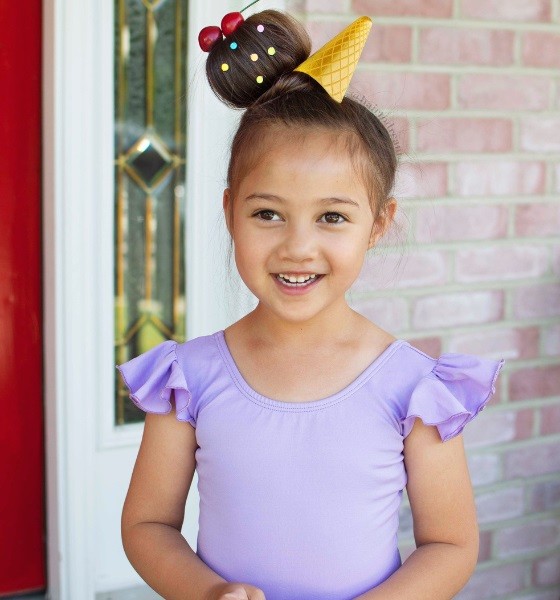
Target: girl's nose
pixel 299 243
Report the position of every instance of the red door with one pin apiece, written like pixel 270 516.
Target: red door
pixel 22 501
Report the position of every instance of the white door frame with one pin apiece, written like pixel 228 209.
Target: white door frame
pixel 78 196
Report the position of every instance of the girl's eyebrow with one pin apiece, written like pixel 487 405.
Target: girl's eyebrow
pixel 332 200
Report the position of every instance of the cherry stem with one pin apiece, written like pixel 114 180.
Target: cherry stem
pixel 249 5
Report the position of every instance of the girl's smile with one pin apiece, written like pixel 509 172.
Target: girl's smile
pixel 294 284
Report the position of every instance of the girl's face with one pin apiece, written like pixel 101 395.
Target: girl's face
pixel 302 223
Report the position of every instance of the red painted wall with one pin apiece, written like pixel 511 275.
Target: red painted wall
pixel 22 501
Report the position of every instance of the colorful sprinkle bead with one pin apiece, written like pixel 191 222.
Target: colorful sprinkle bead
pixel 225 67
pixel 272 51
pixel 254 57
pixel 233 45
pixel 260 28
pixel 260 79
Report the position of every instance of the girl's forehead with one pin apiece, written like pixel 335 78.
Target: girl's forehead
pixel 313 166
pixel 303 151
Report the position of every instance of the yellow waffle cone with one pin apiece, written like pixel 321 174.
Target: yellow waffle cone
pixel 334 64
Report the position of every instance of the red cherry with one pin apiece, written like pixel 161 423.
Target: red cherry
pixel 209 37
pixel 231 22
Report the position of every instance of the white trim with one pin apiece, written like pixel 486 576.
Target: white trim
pixel 71 146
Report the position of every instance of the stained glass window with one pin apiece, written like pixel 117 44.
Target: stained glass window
pixel 150 151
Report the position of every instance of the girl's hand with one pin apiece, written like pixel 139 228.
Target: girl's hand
pixel 235 591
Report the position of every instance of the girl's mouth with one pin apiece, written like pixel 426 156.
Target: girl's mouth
pixel 297 281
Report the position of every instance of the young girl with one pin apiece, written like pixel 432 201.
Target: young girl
pixel 304 420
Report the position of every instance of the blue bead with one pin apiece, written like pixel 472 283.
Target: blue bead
pixel 233 45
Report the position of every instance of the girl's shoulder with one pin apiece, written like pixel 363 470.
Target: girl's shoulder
pixel 447 391
pixel 172 367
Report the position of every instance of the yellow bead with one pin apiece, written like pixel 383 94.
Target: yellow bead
pixel 260 79
pixel 272 51
pixel 254 57
pixel 225 67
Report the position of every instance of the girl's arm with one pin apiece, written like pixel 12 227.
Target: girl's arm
pixel 444 517
pixel 154 510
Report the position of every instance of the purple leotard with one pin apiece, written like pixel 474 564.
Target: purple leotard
pixel 301 499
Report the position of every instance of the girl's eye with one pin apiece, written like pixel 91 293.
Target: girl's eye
pixel 333 218
pixel 266 215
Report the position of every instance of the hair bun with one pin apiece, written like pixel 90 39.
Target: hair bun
pixel 243 66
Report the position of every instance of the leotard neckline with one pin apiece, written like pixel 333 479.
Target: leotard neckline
pixel 308 405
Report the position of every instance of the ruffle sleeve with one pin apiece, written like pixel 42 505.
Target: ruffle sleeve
pixel 453 393
pixel 152 376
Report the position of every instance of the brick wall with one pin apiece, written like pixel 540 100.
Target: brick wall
pixel 471 90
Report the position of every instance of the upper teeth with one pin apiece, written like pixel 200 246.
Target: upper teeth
pixel 297 278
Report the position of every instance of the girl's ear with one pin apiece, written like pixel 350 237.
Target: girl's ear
pixel 382 222
pixel 226 203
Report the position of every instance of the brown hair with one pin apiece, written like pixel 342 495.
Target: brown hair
pixel 293 102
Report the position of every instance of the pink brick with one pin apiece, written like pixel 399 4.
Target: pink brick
pixel 524 424
pixel 484 546
pixel 500 505
pixel 541 49
pixel 556 260
pixel 537 301
pixel 512 10
pixel 531 461
pixel 390 313
pixel 326 6
pixel 540 134
pixel 399 129
pixel 546 571
pixel 501 263
pixel 492 427
pixel 430 346
pixel 455 46
pixel 413 8
pixel 512 343
pixel 537 219
pixel 387 271
pixel 522 539
pixel 551 340
pixel 500 178
pixel 494 582
pixel 550 418
pixel 458 308
pixel 557 175
pixel 534 382
pixel 447 223
pixel 545 496
pixel 417 91
pixel 421 180
pixel 464 135
pixel 504 92
pixel 484 468
pixel 390 44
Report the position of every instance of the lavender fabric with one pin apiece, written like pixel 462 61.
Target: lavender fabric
pixel 302 498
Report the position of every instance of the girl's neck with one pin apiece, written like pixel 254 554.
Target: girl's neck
pixel 338 323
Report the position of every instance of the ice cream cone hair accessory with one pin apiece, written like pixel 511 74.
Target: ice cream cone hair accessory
pixel 334 64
